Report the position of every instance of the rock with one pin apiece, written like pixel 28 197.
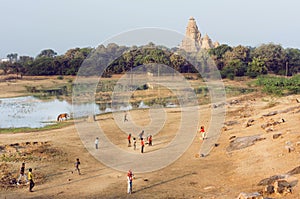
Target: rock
pixel 234 102
pixel 224 128
pixel 297 100
pixel 282 187
pixel 209 187
pixel 243 142
pixel 254 195
pixel 269 189
pixel 249 123
pixel 232 137
pixel 231 123
pixel 271 113
pixel 277 135
pixel 294 171
pixel 270 180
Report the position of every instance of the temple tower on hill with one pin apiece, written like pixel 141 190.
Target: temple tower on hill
pixel 193 41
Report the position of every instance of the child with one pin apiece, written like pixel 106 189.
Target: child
pixel 30 178
pixel 203 133
pixel 77 163
pixel 129 181
pixel 134 144
pixel 22 174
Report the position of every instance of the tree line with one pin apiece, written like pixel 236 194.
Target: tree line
pixel 231 61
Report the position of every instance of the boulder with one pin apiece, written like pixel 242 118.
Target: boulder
pixel 254 195
pixel 271 113
pixel 277 135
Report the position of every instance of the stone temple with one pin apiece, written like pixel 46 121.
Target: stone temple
pixel 193 41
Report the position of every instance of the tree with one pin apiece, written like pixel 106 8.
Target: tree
pixel 234 68
pixel 13 57
pixel 256 67
pixel 218 53
pixel 273 55
pixel 239 52
pixel 293 60
pixel 47 53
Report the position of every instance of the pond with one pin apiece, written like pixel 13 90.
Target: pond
pixel 33 112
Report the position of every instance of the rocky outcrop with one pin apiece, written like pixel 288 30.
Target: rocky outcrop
pixel 254 195
pixel 193 41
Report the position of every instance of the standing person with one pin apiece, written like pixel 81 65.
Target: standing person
pixel 129 139
pixel 150 140
pixel 141 134
pixel 203 133
pixel 77 163
pixel 129 181
pixel 125 117
pixel 30 178
pixel 22 173
pixel 142 145
pixel 134 144
pixel 96 142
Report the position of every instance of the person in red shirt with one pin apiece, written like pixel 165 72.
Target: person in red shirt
pixel 150 140
pixel 142 145
pixel 129 181
pixel 129 140
pixel 203 133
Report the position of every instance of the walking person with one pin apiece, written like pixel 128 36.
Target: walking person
pixel 96 142
pixel 125 117
pixel 134 144
pixel 30 178
pixel 77 163
pixel 129 140
pixel 22 174
pixel 203 133
pixel 141 134
pixel 142 145
pixel 129 181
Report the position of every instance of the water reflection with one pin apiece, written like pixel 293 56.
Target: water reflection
pixel 34 113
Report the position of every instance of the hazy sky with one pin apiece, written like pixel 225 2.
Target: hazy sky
pixel 29 26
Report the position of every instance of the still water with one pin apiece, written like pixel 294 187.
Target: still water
pixel 33 112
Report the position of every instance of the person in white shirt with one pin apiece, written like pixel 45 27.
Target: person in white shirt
pixel 97 142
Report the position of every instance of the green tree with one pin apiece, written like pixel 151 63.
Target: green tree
pixel 47 53
pixel 218 54
pixel 293 60
pixel 273 55
pixel 241 53
pixel 256 67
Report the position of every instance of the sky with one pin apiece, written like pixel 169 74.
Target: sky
pixel 30 26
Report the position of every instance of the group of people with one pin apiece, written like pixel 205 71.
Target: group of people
pixel 141 137
pixel 28 178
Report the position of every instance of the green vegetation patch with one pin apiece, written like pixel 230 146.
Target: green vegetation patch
pixel 279 85
pixel 27 129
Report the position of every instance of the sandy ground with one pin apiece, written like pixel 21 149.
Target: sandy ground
pixel 222 174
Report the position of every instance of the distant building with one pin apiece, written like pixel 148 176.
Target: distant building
pixel 193 41
pixel 4 60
